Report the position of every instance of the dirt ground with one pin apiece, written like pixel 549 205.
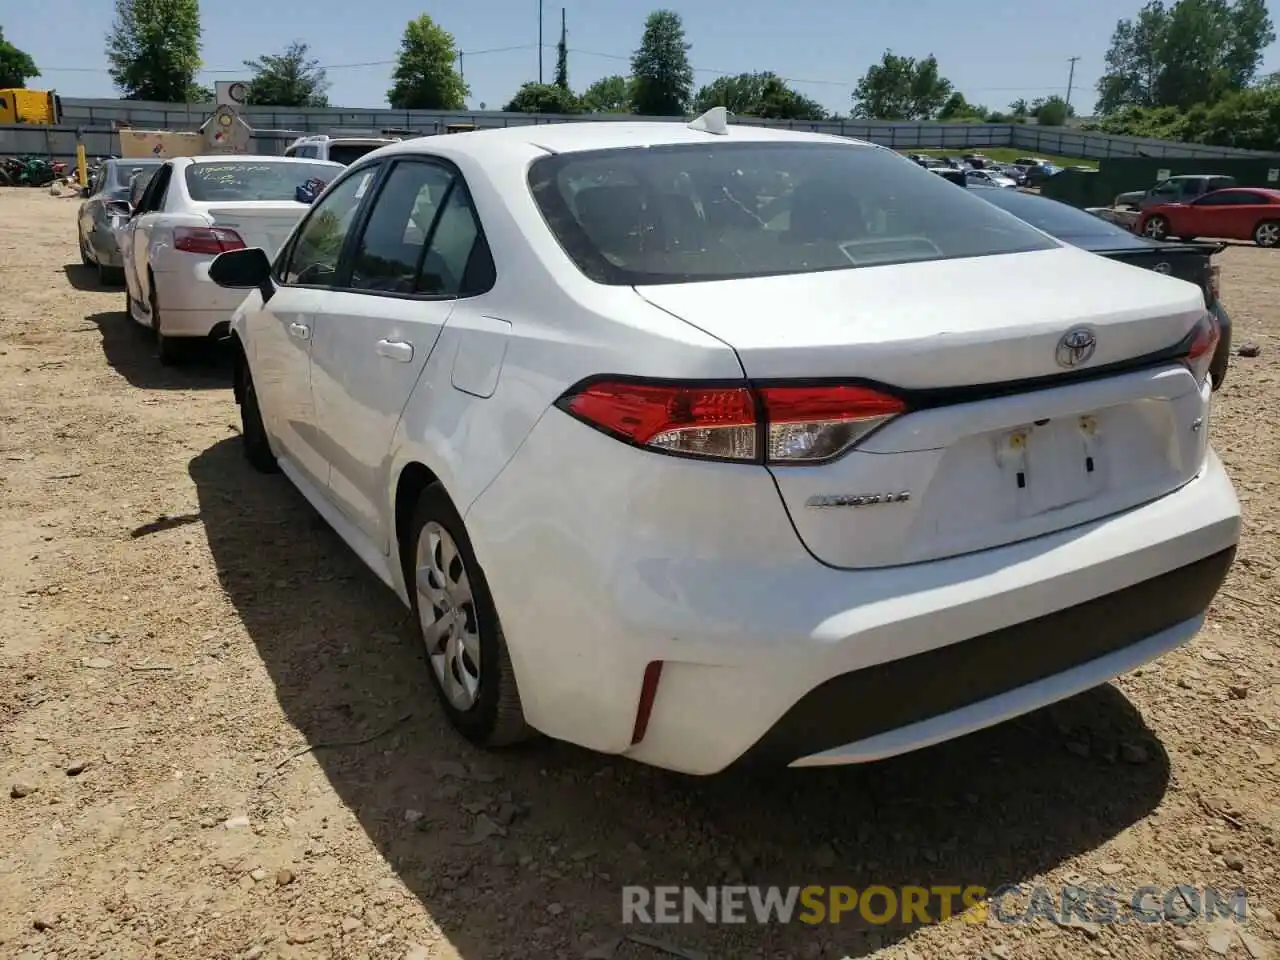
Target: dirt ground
pixel 217 737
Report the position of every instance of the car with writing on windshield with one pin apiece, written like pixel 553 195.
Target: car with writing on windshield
pixel 1238 213
pixel 104 208
pixel 703 444
pixel 193 209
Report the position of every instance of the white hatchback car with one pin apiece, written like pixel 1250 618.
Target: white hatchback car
pixel 193 209
pixel 700 443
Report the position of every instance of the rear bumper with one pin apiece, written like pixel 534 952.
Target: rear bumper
pixel 906 704
pixel 646 558
pixel 192 305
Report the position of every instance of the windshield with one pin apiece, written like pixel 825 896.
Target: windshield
pixel 247 180
pixel 349 153
pixel 1054 218
pixel 676 214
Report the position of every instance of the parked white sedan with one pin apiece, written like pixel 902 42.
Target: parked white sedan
pixel 193 209
pixel 700 443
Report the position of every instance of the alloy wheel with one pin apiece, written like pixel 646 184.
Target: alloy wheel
pixel 447 615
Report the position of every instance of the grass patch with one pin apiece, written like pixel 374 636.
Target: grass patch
pixel 1008 155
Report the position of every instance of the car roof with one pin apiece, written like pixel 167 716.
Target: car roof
pixel 603 135
pixel 254 158
pixel 1265 191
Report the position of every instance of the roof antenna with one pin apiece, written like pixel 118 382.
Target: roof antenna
pixel 714 121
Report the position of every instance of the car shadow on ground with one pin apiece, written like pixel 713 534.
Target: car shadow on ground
pixel 525 853
pixel 84 277
pixel 130 350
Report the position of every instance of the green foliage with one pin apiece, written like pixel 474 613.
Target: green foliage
pixel 763 95
pixel 1185 53
pixel 562 63
pixel 424 77
pixel 153 49
pixel 901 88
pixel 1052 111
pixel 544 98
pixel 661 76
pixel 16 66
pixel 959 110
pixel 288 79
pixel 610 94
pixel 1248 119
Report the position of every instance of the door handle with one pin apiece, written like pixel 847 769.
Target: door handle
pixel 396 350
pixel 300 330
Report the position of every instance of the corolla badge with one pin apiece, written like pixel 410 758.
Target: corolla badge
pixel 1076 347
pixel 858 499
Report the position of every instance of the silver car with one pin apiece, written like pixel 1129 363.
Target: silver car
pixel 105 206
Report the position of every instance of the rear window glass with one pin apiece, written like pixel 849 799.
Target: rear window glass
pixel 687 213
pixel 349 153
pixel 246 180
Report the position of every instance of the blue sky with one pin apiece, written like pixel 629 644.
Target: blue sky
pixel 993 51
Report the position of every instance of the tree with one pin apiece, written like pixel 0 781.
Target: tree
pixel 1052 111
pixel 758 95
pixel 16 66
pixel 543 98
pixel 424 77
pixel 288 79
pixel 1019 108
pixel 1193 51
pixel 661 77
pixel 562 62
pixel 959 110
pixel 153 49
pixel 610 94
pixel 900 88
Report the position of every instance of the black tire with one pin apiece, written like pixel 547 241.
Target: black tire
pixel 84 254
pixel 1267 233
pixel 253 433
pixel 496 719
pixel 171 351
pixel 110 276
pixel 1156 228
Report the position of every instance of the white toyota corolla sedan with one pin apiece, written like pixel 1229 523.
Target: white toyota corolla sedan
pixel 193 209
pixel 704 444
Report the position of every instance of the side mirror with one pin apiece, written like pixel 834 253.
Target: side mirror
pixel 246 269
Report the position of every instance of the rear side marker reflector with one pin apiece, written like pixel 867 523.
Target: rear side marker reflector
pixel 776 424
pixel 648 693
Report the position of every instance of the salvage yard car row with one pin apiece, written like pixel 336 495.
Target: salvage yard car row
pixel 703 444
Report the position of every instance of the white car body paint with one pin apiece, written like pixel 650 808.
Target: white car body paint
pixel 603 557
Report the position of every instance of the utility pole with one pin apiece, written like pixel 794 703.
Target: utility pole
pixel 1071 78
pixel 539 41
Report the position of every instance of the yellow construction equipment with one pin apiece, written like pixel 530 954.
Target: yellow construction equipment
pixel 39 107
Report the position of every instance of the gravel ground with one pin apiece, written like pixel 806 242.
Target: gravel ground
pixel 217 739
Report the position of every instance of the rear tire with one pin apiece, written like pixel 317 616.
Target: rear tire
pixel 253 433
pixel 465 648
pixel 1267 233
pixel 171 351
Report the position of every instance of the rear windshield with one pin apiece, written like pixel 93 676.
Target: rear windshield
pixel 247 180
pixel 685 213
pixel 1056 218
pixel 349 153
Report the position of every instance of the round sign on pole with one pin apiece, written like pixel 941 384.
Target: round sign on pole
pixel 238 92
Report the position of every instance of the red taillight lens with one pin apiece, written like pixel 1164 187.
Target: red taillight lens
pixel 210 240
pixel 799 424
pixel 810 424
pixel 1204 343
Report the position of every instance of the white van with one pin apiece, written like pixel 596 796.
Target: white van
pixel 344 150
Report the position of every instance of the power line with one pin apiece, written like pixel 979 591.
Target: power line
pixel 621 58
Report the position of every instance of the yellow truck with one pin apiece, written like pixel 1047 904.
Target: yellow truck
pixel 39 107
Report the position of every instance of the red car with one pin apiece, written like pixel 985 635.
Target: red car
pixel 1237 213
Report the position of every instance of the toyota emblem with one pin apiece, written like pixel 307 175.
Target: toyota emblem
pixel 1163 268
pixel 1076 347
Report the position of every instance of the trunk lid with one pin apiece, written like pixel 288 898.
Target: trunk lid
pixel 1189 262
pixel 971 466
pixel 260 223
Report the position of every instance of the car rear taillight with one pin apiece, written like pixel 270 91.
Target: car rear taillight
pixel 1203 341
pixel 775 423
pixel 208 240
